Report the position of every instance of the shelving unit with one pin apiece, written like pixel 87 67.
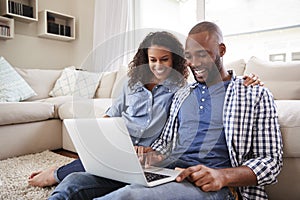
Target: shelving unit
pixel 21 10
pixel 54 25
pixel 7 29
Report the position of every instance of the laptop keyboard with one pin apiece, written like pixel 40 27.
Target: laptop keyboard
pixel 153 177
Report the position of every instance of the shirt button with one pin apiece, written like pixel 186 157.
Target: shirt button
pixel 149 109
pixel 136 142
pixel 203 87
pixel 201 107
pixel 203 92
pixel 202 100
pixel 148 120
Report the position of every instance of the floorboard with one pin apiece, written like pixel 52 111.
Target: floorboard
pixel 66 153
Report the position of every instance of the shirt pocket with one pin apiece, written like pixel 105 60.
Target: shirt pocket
pixel 137 104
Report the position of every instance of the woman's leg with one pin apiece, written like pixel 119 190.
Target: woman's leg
pixel 82 185
pixel 54 175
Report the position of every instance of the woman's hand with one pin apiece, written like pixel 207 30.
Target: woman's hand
pixel 147 156
pixel 252 79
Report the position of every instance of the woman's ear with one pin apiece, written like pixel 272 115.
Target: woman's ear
pixel 222 49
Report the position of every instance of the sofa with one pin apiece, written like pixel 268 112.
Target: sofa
pixel 35 124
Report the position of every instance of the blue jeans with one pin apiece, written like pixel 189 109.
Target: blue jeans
pixel 81 185
pixel 63 171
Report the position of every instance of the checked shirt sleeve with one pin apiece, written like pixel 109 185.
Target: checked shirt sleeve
pixel 267 142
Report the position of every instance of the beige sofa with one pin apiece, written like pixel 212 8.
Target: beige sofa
pixel 21 133
pixel 35 124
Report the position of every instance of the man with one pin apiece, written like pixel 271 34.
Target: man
pixel 226 136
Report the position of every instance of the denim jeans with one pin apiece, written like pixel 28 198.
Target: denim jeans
pixel 63 171
pixel 81 185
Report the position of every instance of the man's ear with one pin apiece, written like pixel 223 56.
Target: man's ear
pixel 222 49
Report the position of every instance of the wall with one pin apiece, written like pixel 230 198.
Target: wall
pixel 27 50
pixel 262 44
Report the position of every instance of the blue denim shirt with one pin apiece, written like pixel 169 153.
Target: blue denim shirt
pixel 145 112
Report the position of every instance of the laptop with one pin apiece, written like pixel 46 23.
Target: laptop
pixel 105 149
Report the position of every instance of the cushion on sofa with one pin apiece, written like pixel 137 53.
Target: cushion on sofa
pixel 121 79
pixel 76 83
pixel 238 66
pixel 88 108
pixel 106 84
pixel 23 112
pixel 289 120
pixel 57 102
pixel 41 80
pixel 283 79
pixel 13 87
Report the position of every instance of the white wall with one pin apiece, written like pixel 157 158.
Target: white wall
pixel 262 44
pixel 27 50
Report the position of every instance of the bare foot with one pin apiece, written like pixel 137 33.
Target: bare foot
pixel 43 178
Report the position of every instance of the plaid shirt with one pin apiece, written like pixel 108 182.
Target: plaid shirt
pixel 251 128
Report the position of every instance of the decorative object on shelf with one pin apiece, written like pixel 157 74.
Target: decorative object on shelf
pixel 25 11
pixel 56 25
pixel 6 28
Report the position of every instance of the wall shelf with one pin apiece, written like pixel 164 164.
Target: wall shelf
pixel 7 29
pixel 21 10
pixel 54 25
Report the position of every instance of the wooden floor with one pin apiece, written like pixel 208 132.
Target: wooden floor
pixel 66 153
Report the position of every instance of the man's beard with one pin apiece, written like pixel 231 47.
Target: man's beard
pixel 214 72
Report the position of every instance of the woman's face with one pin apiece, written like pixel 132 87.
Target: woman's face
pixel 160 62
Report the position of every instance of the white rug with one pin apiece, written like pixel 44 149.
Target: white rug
pixel 14 173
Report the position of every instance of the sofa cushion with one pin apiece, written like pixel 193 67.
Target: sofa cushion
pixel 121 79
pixel 23 112
pixel 76 83
pixel 41 80
pixel 281 78
pixel 13 87
pixel 238 66
pixel 57 102
pixel 106 84
pixel 289 120
pixel 88 108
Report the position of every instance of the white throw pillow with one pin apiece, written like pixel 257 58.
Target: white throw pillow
pixel 282 78
pixel 13 87
pixel 76 83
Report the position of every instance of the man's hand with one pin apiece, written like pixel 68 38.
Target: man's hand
pixel 207 179
pixel 252 79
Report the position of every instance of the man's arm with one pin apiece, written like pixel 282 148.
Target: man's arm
pixel 265 162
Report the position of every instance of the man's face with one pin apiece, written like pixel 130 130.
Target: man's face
pixel 203 56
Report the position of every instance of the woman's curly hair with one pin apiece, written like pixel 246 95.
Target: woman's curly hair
pixel 139 67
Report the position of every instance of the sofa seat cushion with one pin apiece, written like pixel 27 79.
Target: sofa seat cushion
pixel 23 112
pixel 289 120
pixel 88 108
pixel 57 102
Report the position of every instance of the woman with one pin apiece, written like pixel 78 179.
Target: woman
pixel 156 72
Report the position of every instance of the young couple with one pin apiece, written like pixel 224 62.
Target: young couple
pixel 224 135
